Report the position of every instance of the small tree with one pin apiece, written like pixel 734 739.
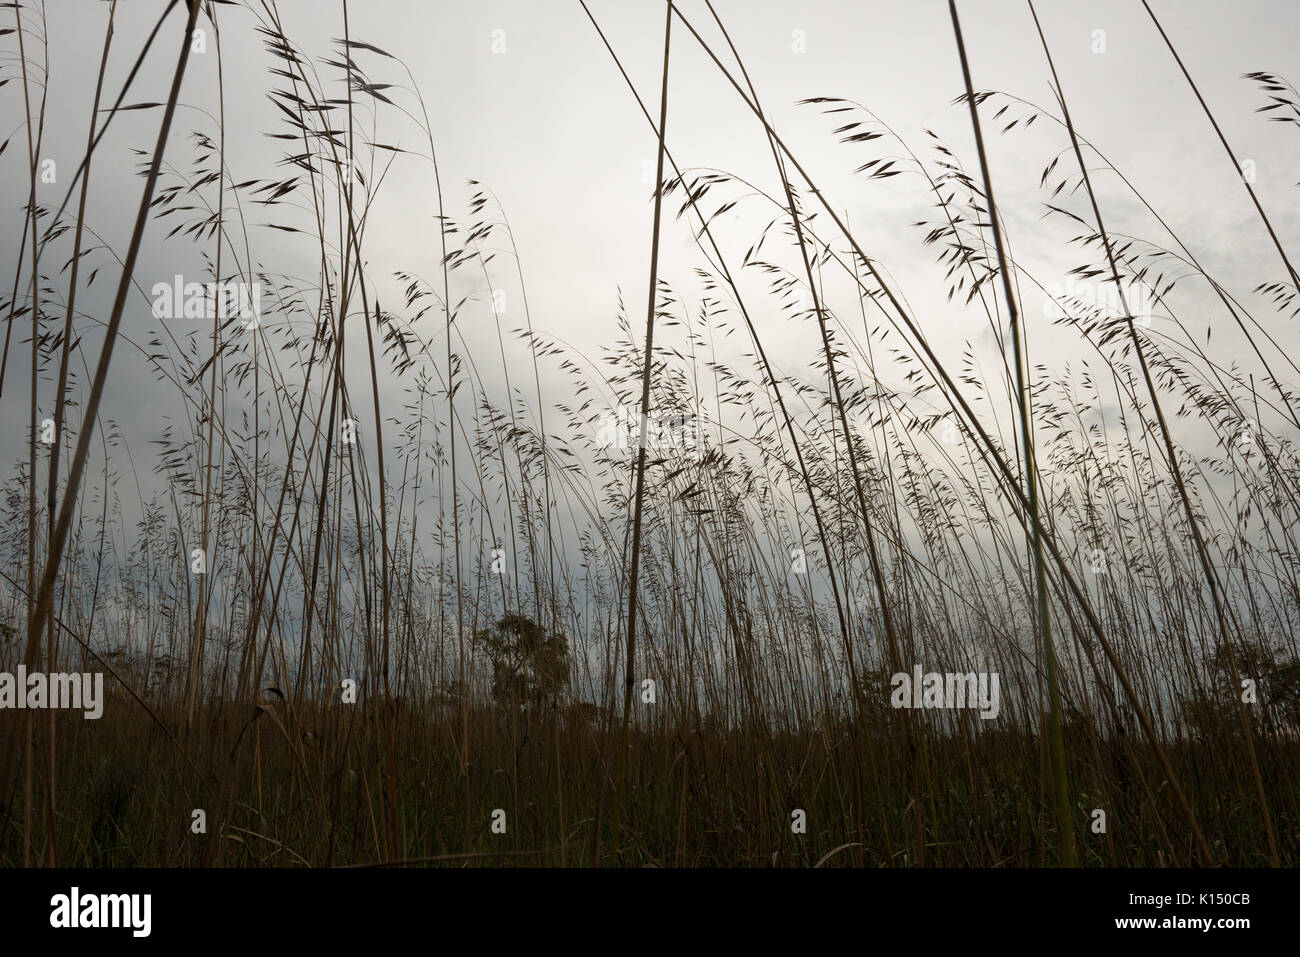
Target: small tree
pixel 1277 690
pixel 528 665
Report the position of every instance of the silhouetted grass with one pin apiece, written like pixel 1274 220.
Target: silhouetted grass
pixel 432 595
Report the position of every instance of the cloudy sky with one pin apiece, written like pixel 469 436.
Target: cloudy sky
pixel 523 97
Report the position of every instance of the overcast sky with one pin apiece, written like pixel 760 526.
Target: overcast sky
pixel 523 97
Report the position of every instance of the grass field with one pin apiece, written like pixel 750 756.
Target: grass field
pixel 405 576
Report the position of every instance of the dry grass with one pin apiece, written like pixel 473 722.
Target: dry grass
pixel 499 582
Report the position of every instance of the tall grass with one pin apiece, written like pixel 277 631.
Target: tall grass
pixel 500 579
